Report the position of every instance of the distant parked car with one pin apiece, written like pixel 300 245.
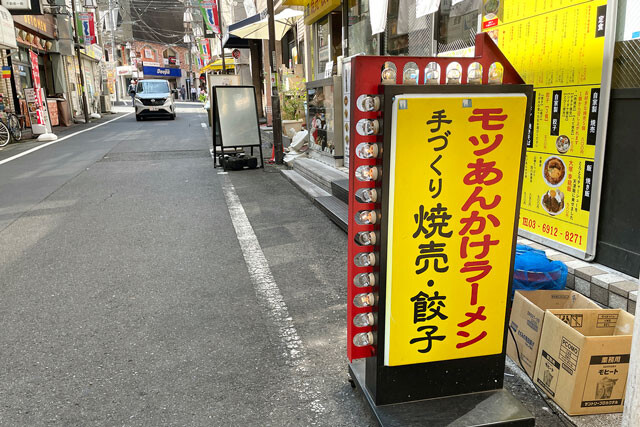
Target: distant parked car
pixel 154 98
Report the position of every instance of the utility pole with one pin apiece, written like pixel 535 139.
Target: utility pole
pixel 275 98
pixel 85 106
pixel 224 66
pixel 113 23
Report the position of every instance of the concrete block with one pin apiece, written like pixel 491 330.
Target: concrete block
pixel 561 257
pixel 571 281
pixel 573 265
pixel 617 301
pixel 623 288
pixel 605 280
pixel 633 295
pixel 583 287
pixel 587 273
pixel 537 246
pixel 631 307
pixel 599 294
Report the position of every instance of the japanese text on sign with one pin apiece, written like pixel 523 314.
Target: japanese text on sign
pixel 450 227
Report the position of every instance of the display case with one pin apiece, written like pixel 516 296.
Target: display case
pixel 324 121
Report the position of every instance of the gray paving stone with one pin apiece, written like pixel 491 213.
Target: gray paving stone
pixel 633 295
pixel 572 265
pixel 623 288
pixel 561 257
pixel 571 280
pixel 605 280
pixel 617 301
pixel 537 246
pixel 599 294
pixel 587 273
pixel 583 286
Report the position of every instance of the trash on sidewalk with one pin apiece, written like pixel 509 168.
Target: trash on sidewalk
pixel 527 319
pixel 583 359
pixel 534 271
pixel 298 147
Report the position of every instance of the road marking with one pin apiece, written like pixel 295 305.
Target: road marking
pixel 24 153
pixel 270 298
pixel 204 125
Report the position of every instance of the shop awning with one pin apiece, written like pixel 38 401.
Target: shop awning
pixel 217 65
pixel 257 26
pixel 233 42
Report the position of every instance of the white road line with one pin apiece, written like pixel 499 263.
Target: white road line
pixel 204 125
pixel 270 298
pixel 39 147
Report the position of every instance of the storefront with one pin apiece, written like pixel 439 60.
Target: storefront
pixel 324 115
pixel 154 71
pixel 7 41
pixel 33 33
pixel 409 30
pixel 91 56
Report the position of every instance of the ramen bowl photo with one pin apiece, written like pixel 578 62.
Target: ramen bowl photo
pixel 554 171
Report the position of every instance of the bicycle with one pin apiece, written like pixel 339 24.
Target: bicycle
pixel 12 128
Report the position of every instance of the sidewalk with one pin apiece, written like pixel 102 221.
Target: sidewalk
pixel 27 142
pixel 327 188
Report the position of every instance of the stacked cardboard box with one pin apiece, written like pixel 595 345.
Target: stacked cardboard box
pixel 527 318
pixel 583 359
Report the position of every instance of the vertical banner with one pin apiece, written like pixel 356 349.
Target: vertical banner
pixel 209 11
pixel 86 28
pixel 39 102
pixel 38 112
pixel 451 222
pixel 564 49
pixel 205 50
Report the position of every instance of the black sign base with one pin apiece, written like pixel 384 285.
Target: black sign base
pixel 487 408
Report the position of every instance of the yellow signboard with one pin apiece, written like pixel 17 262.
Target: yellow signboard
pixel 316 9
pixel 453 187
pixel 558 47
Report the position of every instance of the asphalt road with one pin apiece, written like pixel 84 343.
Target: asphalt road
pixel 139 286
pixel 125 297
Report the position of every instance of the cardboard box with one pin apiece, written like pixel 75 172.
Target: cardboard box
pixel 583 359
pixel 527 317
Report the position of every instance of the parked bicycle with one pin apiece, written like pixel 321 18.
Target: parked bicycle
pixel 10 127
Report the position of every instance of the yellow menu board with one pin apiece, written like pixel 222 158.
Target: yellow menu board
pixel 454 165
pixel 558 47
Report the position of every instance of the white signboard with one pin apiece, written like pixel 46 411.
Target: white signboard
pixel 16 4
pixel 7 31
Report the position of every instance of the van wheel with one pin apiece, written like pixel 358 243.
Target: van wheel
pixel 172 117
pixel 138 118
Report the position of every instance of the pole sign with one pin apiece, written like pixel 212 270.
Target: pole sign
pixel 570 72
pixel 85 25
pixel 435 176
pixel 209 11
